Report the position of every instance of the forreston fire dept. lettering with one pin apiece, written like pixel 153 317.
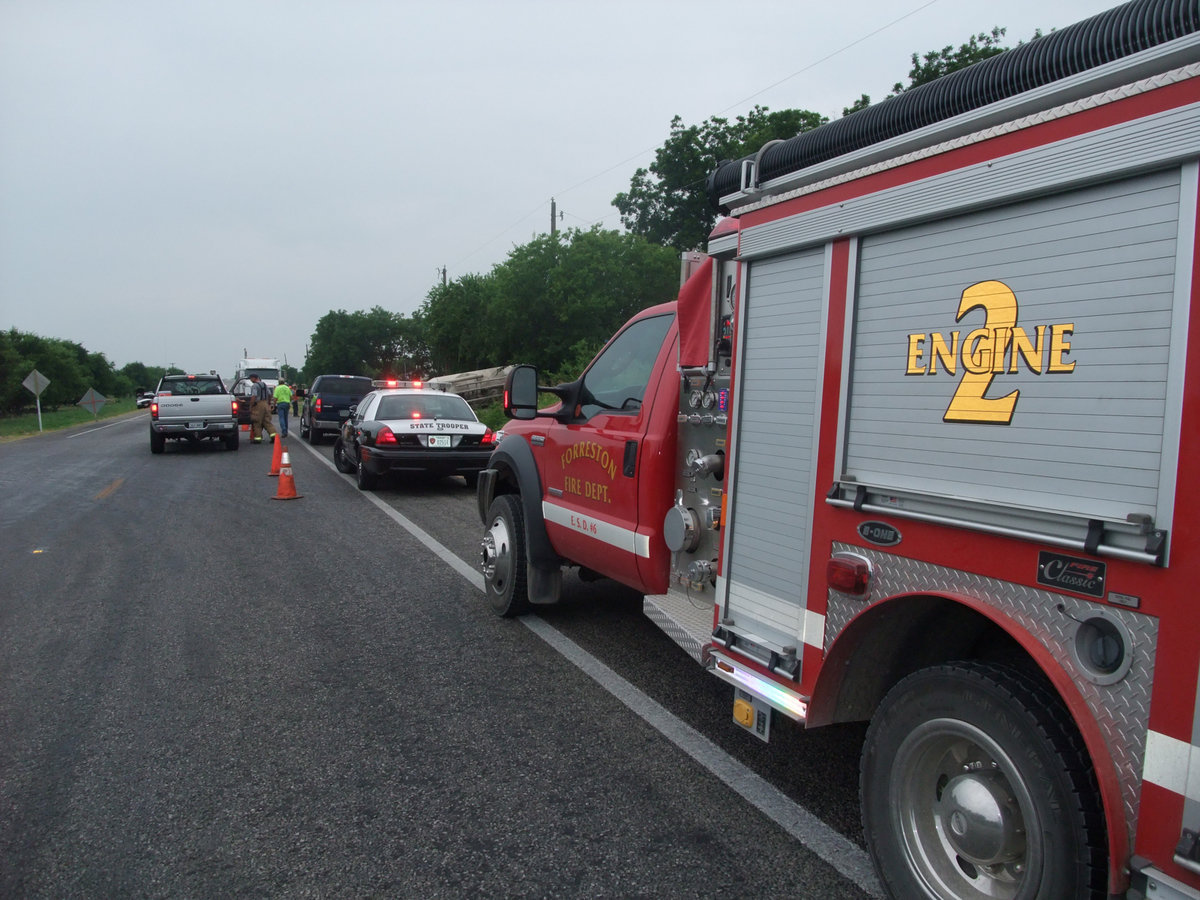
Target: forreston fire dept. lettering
pixel 590 450
pixel 995 349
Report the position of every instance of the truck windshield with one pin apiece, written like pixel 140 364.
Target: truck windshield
pixel 618 377
pixel 265 374
pixel 192 386
pixel 337 385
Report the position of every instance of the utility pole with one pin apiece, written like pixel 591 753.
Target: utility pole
pixel 553 217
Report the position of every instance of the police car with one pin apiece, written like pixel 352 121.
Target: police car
pixel 404 426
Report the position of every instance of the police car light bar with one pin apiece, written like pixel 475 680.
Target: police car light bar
pixel 395 383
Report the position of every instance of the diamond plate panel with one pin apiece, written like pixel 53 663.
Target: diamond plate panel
pixel 1121 710
pixel 687 620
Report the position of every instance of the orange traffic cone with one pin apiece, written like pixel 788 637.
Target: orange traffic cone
pixel 277 457
pixel 287 485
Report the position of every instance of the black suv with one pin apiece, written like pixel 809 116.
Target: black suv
pixel 327 404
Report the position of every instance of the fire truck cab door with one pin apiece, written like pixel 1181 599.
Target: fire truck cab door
pixel 590 469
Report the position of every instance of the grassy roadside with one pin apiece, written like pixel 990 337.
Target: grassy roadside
pixel 14 428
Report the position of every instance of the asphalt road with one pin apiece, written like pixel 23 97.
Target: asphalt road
pixel 206 691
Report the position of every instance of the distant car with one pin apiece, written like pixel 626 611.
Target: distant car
pixel 411 428
pixel 144 400
pixel 327 404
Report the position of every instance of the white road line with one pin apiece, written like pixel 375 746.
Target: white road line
pixel 122 421
pixel 850 860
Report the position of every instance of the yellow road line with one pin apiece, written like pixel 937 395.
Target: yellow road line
pixel 110 489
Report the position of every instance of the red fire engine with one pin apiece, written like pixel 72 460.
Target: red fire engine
pixel 912 447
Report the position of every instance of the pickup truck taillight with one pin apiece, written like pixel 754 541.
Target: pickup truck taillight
pixel 154 410
pixel 385 436
pixel 233 403
pixel 317 405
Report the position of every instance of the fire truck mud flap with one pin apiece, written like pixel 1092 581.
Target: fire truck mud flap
pixel 514 461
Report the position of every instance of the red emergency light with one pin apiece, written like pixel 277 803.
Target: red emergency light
pixel 849 575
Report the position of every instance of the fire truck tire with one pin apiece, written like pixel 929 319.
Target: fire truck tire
pixel 504 558
pixel 974 783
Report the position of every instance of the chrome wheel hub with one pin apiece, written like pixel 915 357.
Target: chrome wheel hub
pixel 980 820
pixel 964 811
pixel 496 555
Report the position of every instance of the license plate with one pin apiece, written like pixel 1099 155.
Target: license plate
pixel 195 426
pixel 439 440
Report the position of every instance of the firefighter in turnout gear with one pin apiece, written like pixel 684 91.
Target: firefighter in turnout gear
pixel 260 410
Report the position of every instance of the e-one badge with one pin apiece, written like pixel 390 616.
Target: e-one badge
pixel 879 533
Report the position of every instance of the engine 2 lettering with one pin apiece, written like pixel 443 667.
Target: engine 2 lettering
pixel 983 353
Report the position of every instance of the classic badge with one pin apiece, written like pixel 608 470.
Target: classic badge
pixel 1069 573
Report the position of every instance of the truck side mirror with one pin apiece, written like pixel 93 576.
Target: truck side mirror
pixel 521 393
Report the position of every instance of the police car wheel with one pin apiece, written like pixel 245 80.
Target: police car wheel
pixel 366 480
pixel 974 784
pixel 503 557
pixel 340 460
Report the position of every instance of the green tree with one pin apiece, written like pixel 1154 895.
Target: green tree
pixel 667 203
pixel 552 302
pixel 14 367
pixel 453 327
pixel 138 375
pixel 577 286
pixel 375 343
pixel 936 63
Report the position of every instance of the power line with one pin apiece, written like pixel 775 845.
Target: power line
pixel 739 104
pixel 828 56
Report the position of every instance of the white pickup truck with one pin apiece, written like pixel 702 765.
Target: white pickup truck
pixel 193 408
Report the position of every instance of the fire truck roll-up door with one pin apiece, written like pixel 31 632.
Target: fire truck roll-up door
pixel 1079 288
pixel 1011 368
pixel 780 333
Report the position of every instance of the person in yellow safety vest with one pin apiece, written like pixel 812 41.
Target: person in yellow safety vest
pixel 260 410
pixel 283 403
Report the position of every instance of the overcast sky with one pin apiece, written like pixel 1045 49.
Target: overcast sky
pixel 182 181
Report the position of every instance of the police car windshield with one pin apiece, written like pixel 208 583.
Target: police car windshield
pixel 424 406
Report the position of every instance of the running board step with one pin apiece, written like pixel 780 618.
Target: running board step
pixel 687 620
